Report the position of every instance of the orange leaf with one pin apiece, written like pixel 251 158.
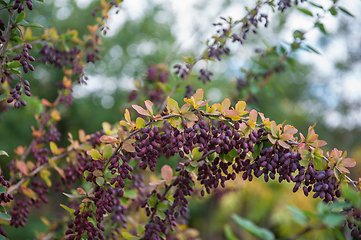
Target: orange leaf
pixel 23 168
pixel 46 103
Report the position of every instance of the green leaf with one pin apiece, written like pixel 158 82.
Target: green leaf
pixel 70 210
pixel 20 17
pixel 333 219
pixel 228 232
pixel 3 238
pixel 2 98
pixel 17 39
pixel 140 230
pixel 305 11
pixel 321 27
pixel 26 24
pixel 312 49
pixel 100 181
pixel 152 201
pixel 6 52
pixel 351 194
pixel 298 216
pixel 338 234
pixel 13 71
pixel 345 11
pixel 162 235
pixel 2 189
pixel 2 152
pixel 196 154
pixel 161 214
pixel 129 236
pixel 315 5
pixel 130 194
pixel 252 228
pixel 3 209
pixel 162 206
pixel 14 64
pixel 333 11
pixel 107 151
pixel 5 216
pixel 95 154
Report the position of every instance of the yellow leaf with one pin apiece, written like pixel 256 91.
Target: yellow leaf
pixel 240 106
pixel 225 105
pixel 107 127
pixel 55 115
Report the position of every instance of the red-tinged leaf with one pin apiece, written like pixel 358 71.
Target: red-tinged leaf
pixel 86 200
pixel 312 138
pixel 82 136
pixel 253 115
pixel 271 139
pixel 148 105
pixel 202 103
pixel 198 95
pixel 343 169
pixel 72 195
pixel 29 193
pixel 321 143
pixel 46 103
pixel 97 173
pixel 94 154
pixel 283 144
pixel 141 110
pixel 349 162
pixel 167 173
pixel 185 108
pixel 190 116
pixel 274 129
pixel 302 137
pixel 290 130
pixel 23 168
pixel 109 139
pixel 225 105
pixel 127 146
pixel 285 137
pixel 231 113
pixel 81 191
pixel 20 150
pixel 60 171
pixel 172 105
pixel 160 182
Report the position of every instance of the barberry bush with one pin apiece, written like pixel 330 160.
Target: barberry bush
pixel 136 178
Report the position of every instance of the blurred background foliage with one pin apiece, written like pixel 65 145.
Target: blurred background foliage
pixel 151 32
